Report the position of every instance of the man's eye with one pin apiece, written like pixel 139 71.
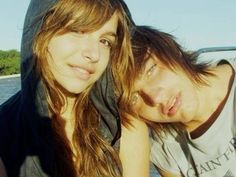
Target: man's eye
pixel 106 42
pixel 134 98
pixel 151 69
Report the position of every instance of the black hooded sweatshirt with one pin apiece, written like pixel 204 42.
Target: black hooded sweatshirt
pixel 26 141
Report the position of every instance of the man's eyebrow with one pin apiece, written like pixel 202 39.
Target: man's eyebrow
pixel 143 68
pixel 141 72
pixel 145 65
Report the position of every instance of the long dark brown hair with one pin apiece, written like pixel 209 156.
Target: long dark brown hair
pixel 93 156
pixel 148 41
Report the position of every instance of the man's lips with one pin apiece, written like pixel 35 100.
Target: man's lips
pixel 172 105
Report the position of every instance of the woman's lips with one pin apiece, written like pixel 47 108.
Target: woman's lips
pixel 82 72
pixel 173 105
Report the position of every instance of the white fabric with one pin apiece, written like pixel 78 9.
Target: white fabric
pixel 214 152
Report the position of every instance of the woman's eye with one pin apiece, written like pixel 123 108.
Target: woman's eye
pixel 151 69
pixel 134 98
pixel 106 42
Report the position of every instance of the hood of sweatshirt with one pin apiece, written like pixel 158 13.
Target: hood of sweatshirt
pixel 34 99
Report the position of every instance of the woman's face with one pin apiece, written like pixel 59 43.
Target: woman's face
pixel 163 95
pixel 78 59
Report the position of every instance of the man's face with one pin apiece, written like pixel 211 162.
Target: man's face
pixel 164 95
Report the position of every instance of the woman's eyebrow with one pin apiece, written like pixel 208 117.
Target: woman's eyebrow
pixel 110 33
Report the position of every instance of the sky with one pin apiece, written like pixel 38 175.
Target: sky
pixel 195 24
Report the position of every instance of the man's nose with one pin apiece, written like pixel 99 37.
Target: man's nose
pixel 152 96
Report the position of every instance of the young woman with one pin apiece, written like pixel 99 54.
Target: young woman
pixel 50 127
pixel 190 107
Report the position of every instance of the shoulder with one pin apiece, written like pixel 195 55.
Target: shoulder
pixel 231 61
pixel 9 106
pixel 15 141
pixel 9 112
pixel 165 151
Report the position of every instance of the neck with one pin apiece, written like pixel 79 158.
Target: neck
pixel 68 109
pixel 212 98
pixel 68 115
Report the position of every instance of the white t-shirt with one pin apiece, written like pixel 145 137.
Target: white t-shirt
pixel 214 152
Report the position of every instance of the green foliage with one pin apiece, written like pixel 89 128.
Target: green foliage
pixel 9 62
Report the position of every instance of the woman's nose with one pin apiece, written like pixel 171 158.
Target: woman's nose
pixel 91 51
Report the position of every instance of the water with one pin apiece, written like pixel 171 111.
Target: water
pixel 9 85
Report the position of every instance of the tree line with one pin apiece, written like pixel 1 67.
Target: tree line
pixel 9 62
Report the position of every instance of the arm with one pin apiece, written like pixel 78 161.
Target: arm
pixel 134 150
pixel 166 174
pixel 2 169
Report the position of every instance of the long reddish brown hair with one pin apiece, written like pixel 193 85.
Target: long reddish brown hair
pixel 93 156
